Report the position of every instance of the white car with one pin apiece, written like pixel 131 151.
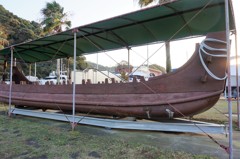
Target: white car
pixel 52 79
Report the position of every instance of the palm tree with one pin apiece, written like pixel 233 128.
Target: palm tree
pixel 3 42
pixel 54 18
pixel 3 38
pixel 143 3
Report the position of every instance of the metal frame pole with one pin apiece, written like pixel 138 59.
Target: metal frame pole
pixel 147 56
pixel 97 61
pixel 237 78
pixel 128 63
pixel 15 62
pixel 229 81
pixel 97 70
pixel 30 70
pixel 4 70
pixel 168 57
pixel 35 70
pixel 74 80
pixel 68 71
pixel 61 66
pixel 58 71
pixel 10 85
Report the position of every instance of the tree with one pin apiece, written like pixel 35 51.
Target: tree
pixel 144 3
pixel 158 67
pixel 124 69
pixel 81 63
pixel 3 38
pixel 54 18
pixel 15 29
pixel 3 42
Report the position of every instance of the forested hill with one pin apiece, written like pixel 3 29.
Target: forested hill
pixel 16 30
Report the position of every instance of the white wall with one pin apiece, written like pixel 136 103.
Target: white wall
pixel 93 75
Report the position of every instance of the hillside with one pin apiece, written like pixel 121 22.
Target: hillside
pixel 15 29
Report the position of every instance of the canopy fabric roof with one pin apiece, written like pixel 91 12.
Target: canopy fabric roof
pixel 178 19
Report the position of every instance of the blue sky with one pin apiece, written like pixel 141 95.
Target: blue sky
pixel 80 11
pixel 87 11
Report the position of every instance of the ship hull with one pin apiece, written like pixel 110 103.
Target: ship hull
pixel 185 92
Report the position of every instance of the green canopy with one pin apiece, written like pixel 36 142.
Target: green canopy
pixel 175 20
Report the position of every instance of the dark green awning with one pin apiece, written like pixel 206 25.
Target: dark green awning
pixel 179 19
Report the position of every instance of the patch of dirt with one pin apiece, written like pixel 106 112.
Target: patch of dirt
pixel 92 131
pixel 24 153
pixel 32 142
pixel 147 154
pixel 94 154
pixel 16 132
pixel 39 157
pixel 17 156
pixel 75 155
pixel 4 130
pixel 42 157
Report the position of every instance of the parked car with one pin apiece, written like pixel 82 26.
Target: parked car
pixel 52 78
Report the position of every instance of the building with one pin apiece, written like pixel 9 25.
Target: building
pixel 94 76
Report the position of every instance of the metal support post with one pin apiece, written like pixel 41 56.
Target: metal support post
pixel 58 71
pixel 30 70
pixel 4 70
pixel 97 61
pixel 229 81
pixel 74 79
pixel 237 78
pixel 168 57
pixel 97 70
pixel 15 62
pixel 147 56
pixel 128 63
pixel 10 85
pixel 35 70
pixel 61 66
pixel 68 71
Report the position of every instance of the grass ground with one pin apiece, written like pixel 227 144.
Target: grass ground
pixel 34 138
pixel 219 113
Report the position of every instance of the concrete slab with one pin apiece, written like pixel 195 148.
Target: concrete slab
pixel 187 142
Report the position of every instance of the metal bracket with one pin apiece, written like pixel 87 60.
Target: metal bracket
pixel 170 113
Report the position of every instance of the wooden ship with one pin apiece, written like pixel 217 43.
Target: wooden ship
pixel 185 92
pixel 193 88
